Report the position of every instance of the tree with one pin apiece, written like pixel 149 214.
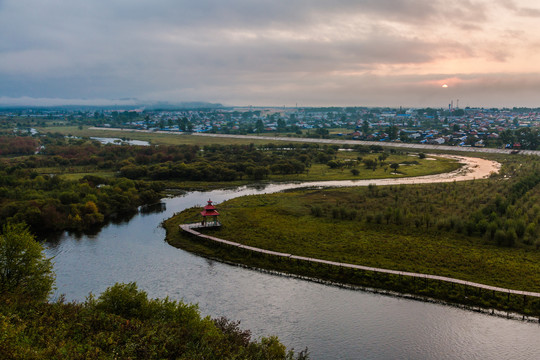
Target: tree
pixel 259 126
pixel 24 269
pixel 365 127
pixel 393 132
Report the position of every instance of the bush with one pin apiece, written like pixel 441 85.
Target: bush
pixel 124 300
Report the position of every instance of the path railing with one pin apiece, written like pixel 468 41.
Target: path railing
pixel 189 228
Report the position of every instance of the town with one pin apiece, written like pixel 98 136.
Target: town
pixel 515 128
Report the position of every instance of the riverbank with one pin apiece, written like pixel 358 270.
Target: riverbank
pixel 286 223
pixel 422 279
pixel 332 321
pixel 430 287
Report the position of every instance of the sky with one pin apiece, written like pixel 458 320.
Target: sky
pixel 271 52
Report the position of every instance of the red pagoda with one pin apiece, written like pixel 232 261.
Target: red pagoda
pixel 210 215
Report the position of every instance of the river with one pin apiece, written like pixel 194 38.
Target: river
pixel 334 323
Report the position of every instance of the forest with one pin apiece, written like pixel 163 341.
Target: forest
pixel 56 183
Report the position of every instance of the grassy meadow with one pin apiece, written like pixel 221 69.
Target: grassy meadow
pixel 283 222
pixel 152 137
pixel 483 231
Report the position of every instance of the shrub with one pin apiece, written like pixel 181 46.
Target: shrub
pixel 124 300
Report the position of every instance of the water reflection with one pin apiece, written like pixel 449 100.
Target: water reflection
pixel 117 141
pixel 153 208
pixel 334 323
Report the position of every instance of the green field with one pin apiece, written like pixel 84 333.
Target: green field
pixel 411 165
pixel 283 222
pixel 153 138
pixel 483 231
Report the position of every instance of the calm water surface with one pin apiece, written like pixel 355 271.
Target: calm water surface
pixel 333 323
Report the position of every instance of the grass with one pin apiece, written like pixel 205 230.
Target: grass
pixel 153 138
pixel 282 222
pixel 321 172
pixel 75 172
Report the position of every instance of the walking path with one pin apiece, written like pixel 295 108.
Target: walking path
pixel 474 168
pixel 190 228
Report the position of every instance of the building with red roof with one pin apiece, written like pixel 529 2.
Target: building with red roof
pixel 210 215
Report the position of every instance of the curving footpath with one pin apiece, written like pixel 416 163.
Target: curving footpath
pixel 189 228
pixel 474 168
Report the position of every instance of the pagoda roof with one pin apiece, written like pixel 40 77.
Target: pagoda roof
pixel 209 210
pixel 209 213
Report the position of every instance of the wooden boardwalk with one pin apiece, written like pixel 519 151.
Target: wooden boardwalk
pixel 190 228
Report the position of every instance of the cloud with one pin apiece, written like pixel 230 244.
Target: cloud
pixel 241 50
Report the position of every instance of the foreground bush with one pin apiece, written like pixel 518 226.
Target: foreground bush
pixel 124 324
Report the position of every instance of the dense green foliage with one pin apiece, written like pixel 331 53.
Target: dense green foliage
pixel 124 324
pixel 117 179
pixel 121 323
pixel 17 145
pixel 24 270
pixel 528 138
pixel 48 202
pixel 214 163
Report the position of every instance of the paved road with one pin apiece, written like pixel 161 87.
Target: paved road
pixel 381 143
pixel 338 142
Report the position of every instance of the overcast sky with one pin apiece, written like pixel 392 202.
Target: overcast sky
pixel 271 52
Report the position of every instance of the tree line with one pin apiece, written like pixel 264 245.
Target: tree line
pixel 31 193
pixel 50 203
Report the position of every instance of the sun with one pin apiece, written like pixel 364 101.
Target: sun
pixel 445 86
